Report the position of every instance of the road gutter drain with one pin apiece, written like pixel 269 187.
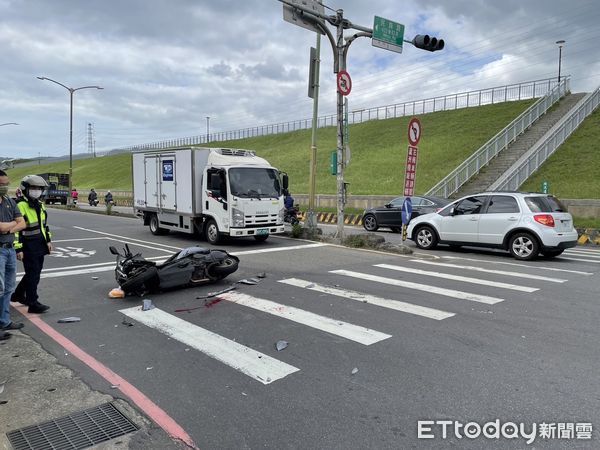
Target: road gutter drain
pixel 76 431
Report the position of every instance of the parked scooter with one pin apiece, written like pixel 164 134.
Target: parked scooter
pixel 188 267
pixel 291 215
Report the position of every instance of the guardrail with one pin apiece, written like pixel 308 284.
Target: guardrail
pixel 452 182
pixel 516 175
pixel 499 94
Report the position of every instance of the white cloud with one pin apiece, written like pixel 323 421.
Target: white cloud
pixel 167 64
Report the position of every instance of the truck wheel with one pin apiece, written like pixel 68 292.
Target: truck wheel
pixel 211 232
pixel 261 237
pixel 155 229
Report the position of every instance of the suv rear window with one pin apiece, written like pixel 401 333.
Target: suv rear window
pixel 544 204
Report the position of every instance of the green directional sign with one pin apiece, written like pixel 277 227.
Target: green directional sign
pixel 387 34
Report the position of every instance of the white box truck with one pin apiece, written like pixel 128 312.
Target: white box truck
pixel 214 191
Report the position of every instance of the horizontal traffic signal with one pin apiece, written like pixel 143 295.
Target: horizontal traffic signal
pixel 429 43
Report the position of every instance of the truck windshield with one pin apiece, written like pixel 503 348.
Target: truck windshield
pixel 254 182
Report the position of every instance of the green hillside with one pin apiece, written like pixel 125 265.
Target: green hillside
pixel 378 152
pixel 573 171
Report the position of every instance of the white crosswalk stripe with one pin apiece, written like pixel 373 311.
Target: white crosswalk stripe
pixel 421 287
pixel 448 276
pixel 397 305
pixel 498 272
pixel 515 264
pixel 346 330
pixel 256 365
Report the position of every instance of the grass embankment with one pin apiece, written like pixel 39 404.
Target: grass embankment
pixel 378 150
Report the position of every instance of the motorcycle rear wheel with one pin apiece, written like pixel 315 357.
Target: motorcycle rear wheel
pixel 218 271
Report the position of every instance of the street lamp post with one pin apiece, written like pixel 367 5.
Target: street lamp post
pixel 71 92
pixel 560 46
pixel 207 129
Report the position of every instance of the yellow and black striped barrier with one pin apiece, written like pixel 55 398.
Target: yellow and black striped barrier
pixel 590 235
pixel 331 218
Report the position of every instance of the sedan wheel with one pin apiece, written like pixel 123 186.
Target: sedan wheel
pixel 426 238
pixel 523 246
pixel 370 223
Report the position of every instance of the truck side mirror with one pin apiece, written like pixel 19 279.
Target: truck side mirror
pixel 285 180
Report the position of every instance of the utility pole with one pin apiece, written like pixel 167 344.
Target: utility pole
pixel 207 129
pixel 311 219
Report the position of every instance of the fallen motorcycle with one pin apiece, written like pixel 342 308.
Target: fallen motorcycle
pixel 188 267
pixel 290 215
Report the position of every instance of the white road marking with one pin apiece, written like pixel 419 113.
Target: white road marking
pixel 279 249
pixel 448 276
pixel 256 365
pixel 554 269
pixel 596 261
pixel 248 252
pixel 589 252
pixel 79 239
pixel 126 238
pixel 397 305
pixel 422 287
pixel 498 272
pixel 346 330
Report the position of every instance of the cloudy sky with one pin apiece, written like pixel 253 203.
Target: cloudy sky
pixel 165 65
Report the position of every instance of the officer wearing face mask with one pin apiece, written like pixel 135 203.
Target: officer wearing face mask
pixel 33 243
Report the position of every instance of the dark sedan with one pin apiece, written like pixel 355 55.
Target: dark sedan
pixel 390 215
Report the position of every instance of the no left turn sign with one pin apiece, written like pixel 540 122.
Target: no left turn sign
pixel 414 131
pixel 344 82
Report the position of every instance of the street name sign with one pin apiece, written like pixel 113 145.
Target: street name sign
pixel 387 34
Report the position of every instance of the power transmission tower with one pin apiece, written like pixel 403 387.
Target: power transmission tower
pixel 91 140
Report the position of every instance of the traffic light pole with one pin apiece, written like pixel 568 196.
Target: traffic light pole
pixel 341 51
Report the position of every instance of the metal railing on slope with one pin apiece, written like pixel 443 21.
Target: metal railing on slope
pixel 452 182
pixel 498 94
pixel 523 168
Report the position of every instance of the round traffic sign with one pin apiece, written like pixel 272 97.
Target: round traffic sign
pixel 344 82
pixel 414 131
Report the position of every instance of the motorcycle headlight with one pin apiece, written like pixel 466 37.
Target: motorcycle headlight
pixel 237 218
pixel 281 215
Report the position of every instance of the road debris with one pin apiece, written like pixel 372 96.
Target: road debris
pixel 355 371
pixel 213 294
pixel 150 368
pixel 2 385
pixel 147 305
pixel 94 278
pixel 248 281
pixel 127 323
pixel 69 319
pixel 116 293
pixel 280 345
pixel 262 275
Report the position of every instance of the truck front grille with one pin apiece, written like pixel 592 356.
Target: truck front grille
pixel 260 220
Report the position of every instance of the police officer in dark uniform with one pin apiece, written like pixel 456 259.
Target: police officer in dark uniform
pixel 10 222
pixel 33 243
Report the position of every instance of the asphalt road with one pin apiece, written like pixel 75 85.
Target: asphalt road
pixel 444 335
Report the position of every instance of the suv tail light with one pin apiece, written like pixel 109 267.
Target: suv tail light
pixel 544 219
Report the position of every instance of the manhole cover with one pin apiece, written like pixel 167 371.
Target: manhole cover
pixel 75 431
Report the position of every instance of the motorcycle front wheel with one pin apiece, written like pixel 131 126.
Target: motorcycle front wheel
pixel 139 279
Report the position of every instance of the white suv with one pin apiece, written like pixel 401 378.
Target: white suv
pixel 525 224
